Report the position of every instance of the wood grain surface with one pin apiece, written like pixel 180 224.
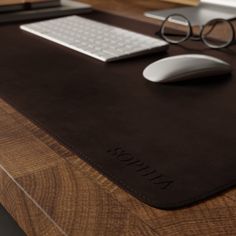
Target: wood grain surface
pixel 186 2
pixel 51 191
pixel 10 2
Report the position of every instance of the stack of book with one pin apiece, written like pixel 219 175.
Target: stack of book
pixel 19 5
pixel 21 10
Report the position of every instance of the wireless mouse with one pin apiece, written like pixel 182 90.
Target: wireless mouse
pixel 185 67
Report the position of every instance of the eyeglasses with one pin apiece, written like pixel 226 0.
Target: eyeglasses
pixel 217 33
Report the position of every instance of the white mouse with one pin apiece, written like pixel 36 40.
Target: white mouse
pixel 185 67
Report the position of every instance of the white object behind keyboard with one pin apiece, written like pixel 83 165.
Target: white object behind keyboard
pixel 98 40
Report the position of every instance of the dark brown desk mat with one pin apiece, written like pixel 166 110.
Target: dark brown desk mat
pixel 168 145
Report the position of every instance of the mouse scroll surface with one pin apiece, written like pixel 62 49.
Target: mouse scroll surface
pixel 185 67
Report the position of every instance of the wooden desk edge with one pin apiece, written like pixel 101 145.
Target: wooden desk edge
pixel 50 191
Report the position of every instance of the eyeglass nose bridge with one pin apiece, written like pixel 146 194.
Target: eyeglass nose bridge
pixel 196 36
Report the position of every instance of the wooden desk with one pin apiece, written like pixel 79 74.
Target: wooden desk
pixel 51 192
pixel 135 8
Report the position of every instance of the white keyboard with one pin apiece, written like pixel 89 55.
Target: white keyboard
pixel 98 40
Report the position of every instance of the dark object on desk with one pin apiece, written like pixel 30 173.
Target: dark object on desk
pixel 6 7
pixel 67 7
pixel 8 227
pixel 170 146
pixel 10 8
pixel 43 4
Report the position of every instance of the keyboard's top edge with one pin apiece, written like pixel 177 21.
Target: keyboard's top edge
pixel 95 22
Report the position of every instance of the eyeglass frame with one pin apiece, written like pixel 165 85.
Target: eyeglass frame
pixel 200 37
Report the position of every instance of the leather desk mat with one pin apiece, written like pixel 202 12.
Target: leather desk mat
pixel 168 145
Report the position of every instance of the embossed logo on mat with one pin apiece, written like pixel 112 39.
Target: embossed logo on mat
pixel 141 168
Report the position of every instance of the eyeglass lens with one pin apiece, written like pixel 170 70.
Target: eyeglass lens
pixel 217 33
pixel 176 33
